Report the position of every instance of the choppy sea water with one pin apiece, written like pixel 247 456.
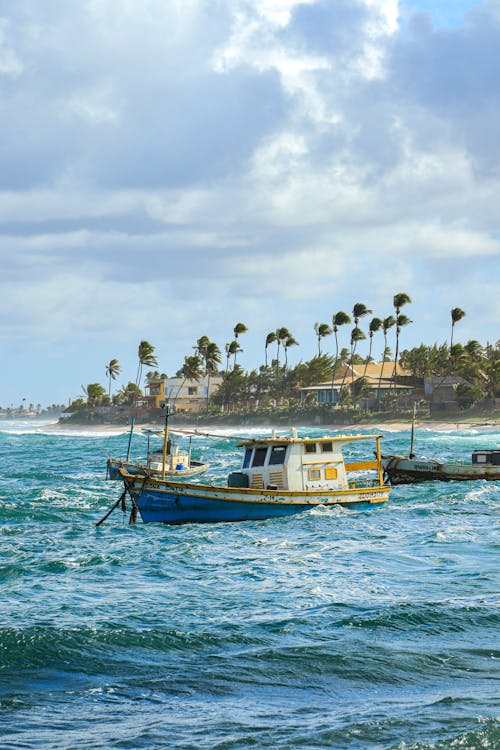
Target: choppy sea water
pixel 332 629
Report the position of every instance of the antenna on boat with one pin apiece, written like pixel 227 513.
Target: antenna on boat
pixel 411 454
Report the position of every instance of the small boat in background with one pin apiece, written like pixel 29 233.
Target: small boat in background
pixel 178 465
pixel 410 469
pixel 280 476
pixel 171 462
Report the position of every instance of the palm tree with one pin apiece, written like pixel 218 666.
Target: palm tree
pixel 322 330
pixel 146 357
pixel 270 339
pixel 236 348
pixel 399 300
pixel 191 370
pixel 375 325
pixel 231 351
pixel 456 315
pixel 112 370
pixel 281 335
pixel 339 319
pixel 288 342
pixel 201 345
pixel 356 335
pixel 401 320
pixel 359 311
pixel 213 357
pixel 239 328
pixel 387 323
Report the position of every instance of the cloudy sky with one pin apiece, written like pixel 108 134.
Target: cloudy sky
pixel 172 167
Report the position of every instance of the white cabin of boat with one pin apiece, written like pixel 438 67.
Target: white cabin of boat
pixel 174 459
pixel 304 464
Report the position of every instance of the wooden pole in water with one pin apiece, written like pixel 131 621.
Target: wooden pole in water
pixel 411 454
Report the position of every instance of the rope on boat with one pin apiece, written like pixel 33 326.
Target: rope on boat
pixel 133 511
pixel 209 434
pixel 121 500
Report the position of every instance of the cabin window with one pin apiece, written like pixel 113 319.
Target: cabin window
pixel 327 447
pixel 259 457
pixel 310 447
pixel 246 460
pixel 314 475
pixel 331 473
pixel 277 455
pixel 481 458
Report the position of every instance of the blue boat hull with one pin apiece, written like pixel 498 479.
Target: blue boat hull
pixel 172 508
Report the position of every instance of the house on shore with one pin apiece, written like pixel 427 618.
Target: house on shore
pixel 441 392
pixel 380 382
pixel 183 395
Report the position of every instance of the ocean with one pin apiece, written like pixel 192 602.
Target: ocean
pixel 335 628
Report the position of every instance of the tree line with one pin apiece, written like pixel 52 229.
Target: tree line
pixel 274 381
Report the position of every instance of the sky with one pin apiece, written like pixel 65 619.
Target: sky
pixel 169 168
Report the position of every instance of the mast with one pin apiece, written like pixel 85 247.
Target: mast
pixel 411 454
pixel 165 441
pixel 132 422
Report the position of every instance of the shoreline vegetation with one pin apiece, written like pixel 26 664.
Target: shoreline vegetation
pixel 449 384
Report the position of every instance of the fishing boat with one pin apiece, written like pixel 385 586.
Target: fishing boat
pixel 410 469
pixel 172 462
pixel 279 476
pixel 178 465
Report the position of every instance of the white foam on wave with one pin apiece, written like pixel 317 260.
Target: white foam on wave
pixel 53 427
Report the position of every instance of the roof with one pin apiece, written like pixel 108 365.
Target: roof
pixel 294 439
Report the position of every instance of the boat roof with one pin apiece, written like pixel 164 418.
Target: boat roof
pixel 284 440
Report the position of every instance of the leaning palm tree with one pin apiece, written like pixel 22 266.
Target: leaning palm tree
pixel 359 311
pixel 399 300
pixel 213 357
pixel 192 369
pixel 401 320
pixel 375 325
pixel 322 330
pixel 287 343
pixel 236 348
pixel 112 370
pixel 231 351
pixel 339 319
pixel 146 356
pixel 270 339
pixel 201 345
pixel 239 328
pixel 456 315
pixel 282 334
pixel 387 323
pixel 356 335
